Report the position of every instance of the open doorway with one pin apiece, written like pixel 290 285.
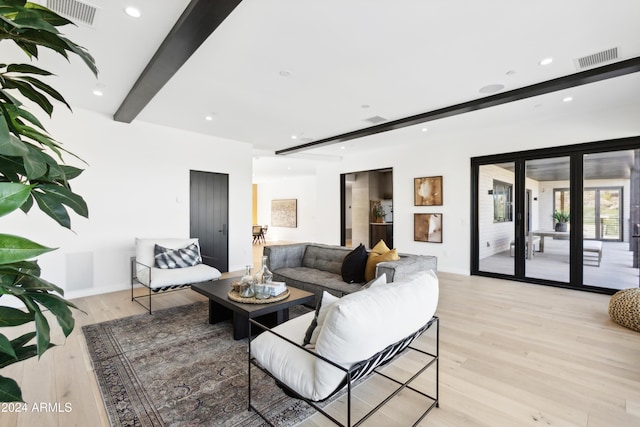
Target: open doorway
pixel 367 208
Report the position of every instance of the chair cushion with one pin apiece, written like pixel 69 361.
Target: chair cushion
pixel 363 323
pixel 357 326
pixel 161 277
pixel 311 336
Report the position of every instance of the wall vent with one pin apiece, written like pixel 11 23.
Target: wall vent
pixel 375 120
pixel 596 58
pixel 76 11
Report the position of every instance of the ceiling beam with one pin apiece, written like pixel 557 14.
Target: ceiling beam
pixel 593 75
pixel 197 22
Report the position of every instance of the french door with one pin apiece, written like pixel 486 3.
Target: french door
pixel 558 216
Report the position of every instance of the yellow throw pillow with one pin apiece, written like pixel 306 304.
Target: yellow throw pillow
pixel 380 248
pixel 374 259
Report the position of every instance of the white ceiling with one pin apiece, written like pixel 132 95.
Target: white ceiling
pixel 397 58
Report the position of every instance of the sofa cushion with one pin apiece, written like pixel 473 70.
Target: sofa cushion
pixel 312 280
pixel 177 258
pixel 354 264
pixel 363 323
pixel 324 258
pixel 374 259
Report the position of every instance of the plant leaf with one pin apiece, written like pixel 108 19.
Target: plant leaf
pixel 67 197
pixel 59 307
pixel 12 146
pixel 15 248
pixel 10 316
pixel 26 68
pixel 47 89
pixel 6 347
pixel 35 165
pixel 51 206
pixel 9 390
pixel 43 333
pixel 12 196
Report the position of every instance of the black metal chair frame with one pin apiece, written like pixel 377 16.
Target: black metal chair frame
pixel 351 376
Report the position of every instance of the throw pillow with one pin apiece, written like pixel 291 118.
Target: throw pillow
pixel 382 280
pixel 373 260
pixel 380 248
pixel 311 336
pixel 353 265
pixel 177 258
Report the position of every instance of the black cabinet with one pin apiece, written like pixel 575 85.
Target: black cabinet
pixel 381 231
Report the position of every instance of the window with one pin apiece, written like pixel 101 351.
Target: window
pixel 502 201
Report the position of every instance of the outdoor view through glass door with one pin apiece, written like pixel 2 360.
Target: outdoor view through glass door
pixel 526 228
pixel 547 254
pixel 608 245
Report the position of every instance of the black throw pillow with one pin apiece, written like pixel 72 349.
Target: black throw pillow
pixel 354 264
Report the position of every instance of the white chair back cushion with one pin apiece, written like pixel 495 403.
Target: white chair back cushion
pixel 366 322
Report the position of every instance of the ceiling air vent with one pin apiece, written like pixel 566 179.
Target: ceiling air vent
pixel 597 58
pixel 76 11
pixel 375 120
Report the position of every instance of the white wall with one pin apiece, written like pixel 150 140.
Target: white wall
pixel 309 212
pixel 136 184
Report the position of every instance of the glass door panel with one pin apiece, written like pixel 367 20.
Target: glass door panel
pixel 547 251
pixel 495 218
pixel 608 250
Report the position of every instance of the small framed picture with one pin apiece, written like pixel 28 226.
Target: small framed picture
pixel 427 227
pixel 427 191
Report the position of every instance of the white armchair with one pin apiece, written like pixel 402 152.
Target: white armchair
pixel 149 270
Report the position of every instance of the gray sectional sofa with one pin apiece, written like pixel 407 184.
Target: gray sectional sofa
pixel 316 267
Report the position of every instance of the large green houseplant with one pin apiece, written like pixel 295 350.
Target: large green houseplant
pixel 31 170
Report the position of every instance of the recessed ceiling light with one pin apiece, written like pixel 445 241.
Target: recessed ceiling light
pixel 567 99
pixel 285 73
pixel 98 92
pixel 546 61
pixel 425 129
pixel 491 88
pixel 294 137
pixel 342 147
pixel 132 12
pixel 208 118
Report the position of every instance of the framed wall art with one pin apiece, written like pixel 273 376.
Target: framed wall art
pixel 427 227
pixel 427 191
pixel 284 213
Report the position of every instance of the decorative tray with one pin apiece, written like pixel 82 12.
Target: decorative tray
pixel 235 296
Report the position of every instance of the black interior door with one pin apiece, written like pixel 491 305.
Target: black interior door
pixel 209 217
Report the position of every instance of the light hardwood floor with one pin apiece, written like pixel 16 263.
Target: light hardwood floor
pixel 512 354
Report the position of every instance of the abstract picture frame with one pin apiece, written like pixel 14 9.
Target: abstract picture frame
pixel 427 227
pixel 427 191
pixel 284 213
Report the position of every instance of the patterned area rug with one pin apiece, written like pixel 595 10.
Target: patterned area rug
pixel 175 369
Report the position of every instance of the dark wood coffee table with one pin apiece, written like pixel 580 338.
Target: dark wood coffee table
pixel 222 308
